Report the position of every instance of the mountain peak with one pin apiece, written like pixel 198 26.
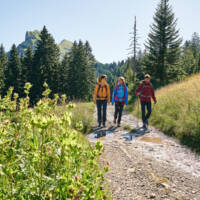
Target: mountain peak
pixel 32 38
pixel 32 35
pixel 65 47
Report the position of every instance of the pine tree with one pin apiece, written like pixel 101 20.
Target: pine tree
pixel 134 46
pixel 195 44
pixel 63 75
pixel 192 46
pixel 27 67
pixel 3 66
pixel 81 78
pixel 163 44
pixel 13 71
pixel 188 62
pixel 82 83
pixel 46 65
pixel 73 72
pixel 91 70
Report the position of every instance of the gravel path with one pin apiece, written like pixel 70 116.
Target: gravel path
pixel 146 165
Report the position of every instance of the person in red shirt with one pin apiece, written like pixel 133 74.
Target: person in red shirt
pixel 145 91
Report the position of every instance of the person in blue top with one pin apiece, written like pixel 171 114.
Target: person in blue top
pixel 119 97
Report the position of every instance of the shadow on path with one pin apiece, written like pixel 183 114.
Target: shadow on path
pixel 99 132
pixel 135 133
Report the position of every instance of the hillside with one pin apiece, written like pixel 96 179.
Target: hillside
pixel 31 39
pixel 177 111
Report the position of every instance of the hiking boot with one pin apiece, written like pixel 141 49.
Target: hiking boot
pixel 114 121
pixel 144 126
pixel 118 125
pixel 99 124
pixel 104 124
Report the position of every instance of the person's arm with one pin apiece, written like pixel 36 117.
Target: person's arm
pixel 153 95
pixel 138 90
pixel 126 96
pixel 95 94
pixel 113 95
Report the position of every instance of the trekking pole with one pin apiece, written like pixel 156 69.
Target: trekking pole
pixel 138 112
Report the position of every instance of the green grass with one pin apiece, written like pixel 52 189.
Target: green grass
pixel 81 116
pixel 177 112
pixel 83 112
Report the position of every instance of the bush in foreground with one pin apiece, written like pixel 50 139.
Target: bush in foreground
pixel 41 156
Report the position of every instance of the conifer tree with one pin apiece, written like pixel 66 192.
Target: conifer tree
pixel 27 67
pixel 81 78
pixel 82 83
pixel 134 46
pixel 91 70
pixel 46 64
pixel 73 72
pixel 63 75
pixel 163 44
pixel 3 66
pixel 13 70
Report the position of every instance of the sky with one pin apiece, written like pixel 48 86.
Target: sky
pixel 106 24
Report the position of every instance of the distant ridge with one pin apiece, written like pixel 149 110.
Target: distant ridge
pixel 32 38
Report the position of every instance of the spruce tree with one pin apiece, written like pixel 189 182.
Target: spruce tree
pixel 13 71
pixel 163 44
pixel 46 65
pixel 3 66
pixel 134 46
pixel 63 75
pixel 27 67
pixel 195 44
pixel 83 83
pixel 81 73
pixel 72 79
pixel 91 70
pixel 188 62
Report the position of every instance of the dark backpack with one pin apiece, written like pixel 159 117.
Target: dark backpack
pixel 144 86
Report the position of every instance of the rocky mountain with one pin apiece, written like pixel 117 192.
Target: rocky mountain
pixel 65 47
pixel 32 38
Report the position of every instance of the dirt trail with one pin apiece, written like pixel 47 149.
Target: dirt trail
pixel 147 165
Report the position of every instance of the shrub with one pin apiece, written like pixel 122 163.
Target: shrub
pixel 41 156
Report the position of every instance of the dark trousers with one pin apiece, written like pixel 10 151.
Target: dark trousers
pixel 101 104
pixel 118 111
pixel 145 116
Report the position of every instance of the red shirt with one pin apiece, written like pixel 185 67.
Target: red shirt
pixel 146 92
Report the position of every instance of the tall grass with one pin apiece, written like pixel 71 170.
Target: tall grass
pixel 83 112
pixel 177 112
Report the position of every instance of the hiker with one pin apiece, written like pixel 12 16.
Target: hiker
pixel 119 97
pixel 145 91
pixel 101 98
